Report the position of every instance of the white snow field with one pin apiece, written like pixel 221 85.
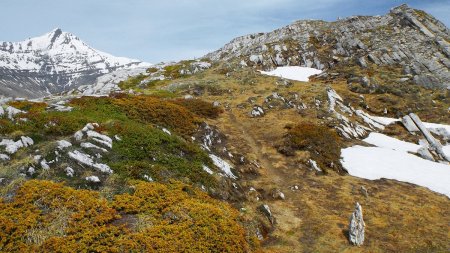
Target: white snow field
pixel 294 73
pixel 391 160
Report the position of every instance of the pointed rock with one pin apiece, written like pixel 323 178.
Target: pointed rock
pixel 356 227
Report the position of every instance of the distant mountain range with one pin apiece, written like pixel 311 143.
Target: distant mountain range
pixel 54 62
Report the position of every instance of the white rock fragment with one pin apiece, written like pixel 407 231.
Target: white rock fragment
pixel 44 165
pixel 63 144
pixel 11 111
pixel 31 171
pixel 100 138
pixel 257 111
pixel 93 179
pixel 69 171
pixel 26 141
pixel 78 135
pixel 223 165
pixel 148 178
pixel 89 126
pixel 435 144
pixel 208 170
pixel 37 158
pixel 11 146
pixel 357 226
pixel 314 165
pixel 266 211
pixel 4 157
pixel 2 111
pixel 117 138
pixel 166 131
pixel 409 124
pixel 425 154
pixel 89 145
pixel 86 159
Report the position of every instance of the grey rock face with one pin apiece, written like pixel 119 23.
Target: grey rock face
pixel 409 124
pixel 357 226
pixel 434 144
pixel 407 37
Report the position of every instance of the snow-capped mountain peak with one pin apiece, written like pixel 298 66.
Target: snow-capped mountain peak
pixel 55 61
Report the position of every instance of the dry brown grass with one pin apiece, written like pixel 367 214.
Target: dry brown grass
pixel 400 217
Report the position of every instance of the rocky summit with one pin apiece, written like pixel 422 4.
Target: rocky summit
pixel 405 37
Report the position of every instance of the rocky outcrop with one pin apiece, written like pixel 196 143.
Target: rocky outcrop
pixel 357 226
pixel 404 37
pixel 434 144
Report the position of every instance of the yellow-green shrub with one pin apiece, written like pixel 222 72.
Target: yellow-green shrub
pixel 172 218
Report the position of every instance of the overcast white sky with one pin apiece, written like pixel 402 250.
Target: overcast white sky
pixel 156 31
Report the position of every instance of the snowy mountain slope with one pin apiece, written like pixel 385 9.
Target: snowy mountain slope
pixel 54 62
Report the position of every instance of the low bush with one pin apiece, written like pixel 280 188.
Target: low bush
pixel 50 217
pixel 322 143
pixel 161 112
pixel 200 108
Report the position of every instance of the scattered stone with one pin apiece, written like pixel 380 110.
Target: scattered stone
pixel 26 141
pixel 93 179
pixel 208 170
pixel 11 111
pixel 63 144
pixel 89 145
pixel 363 191
pixel 78 135
pixel 277 194
pixel 148 178
pixel 257 111
pixel 69 171
pixel 44 165
pixel 315 166
pixel 85 159
pixel 266 211
pixel 357 226
pixel 425 154
pixel 4 157
pixel 31 171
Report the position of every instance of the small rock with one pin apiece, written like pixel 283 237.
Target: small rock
pixel 266 211
pixel 93 179
pixel 257 111
pixel 425 154
pixel 277 194
pixel 364 192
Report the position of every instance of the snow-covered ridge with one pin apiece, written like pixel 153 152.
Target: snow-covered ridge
pixel 65 50
pixel 55 63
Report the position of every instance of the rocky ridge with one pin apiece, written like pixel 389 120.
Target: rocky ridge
pixel 405 37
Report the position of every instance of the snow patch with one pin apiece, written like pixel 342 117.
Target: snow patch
pixel 293 72
pixel 384 141
pixel 375 163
